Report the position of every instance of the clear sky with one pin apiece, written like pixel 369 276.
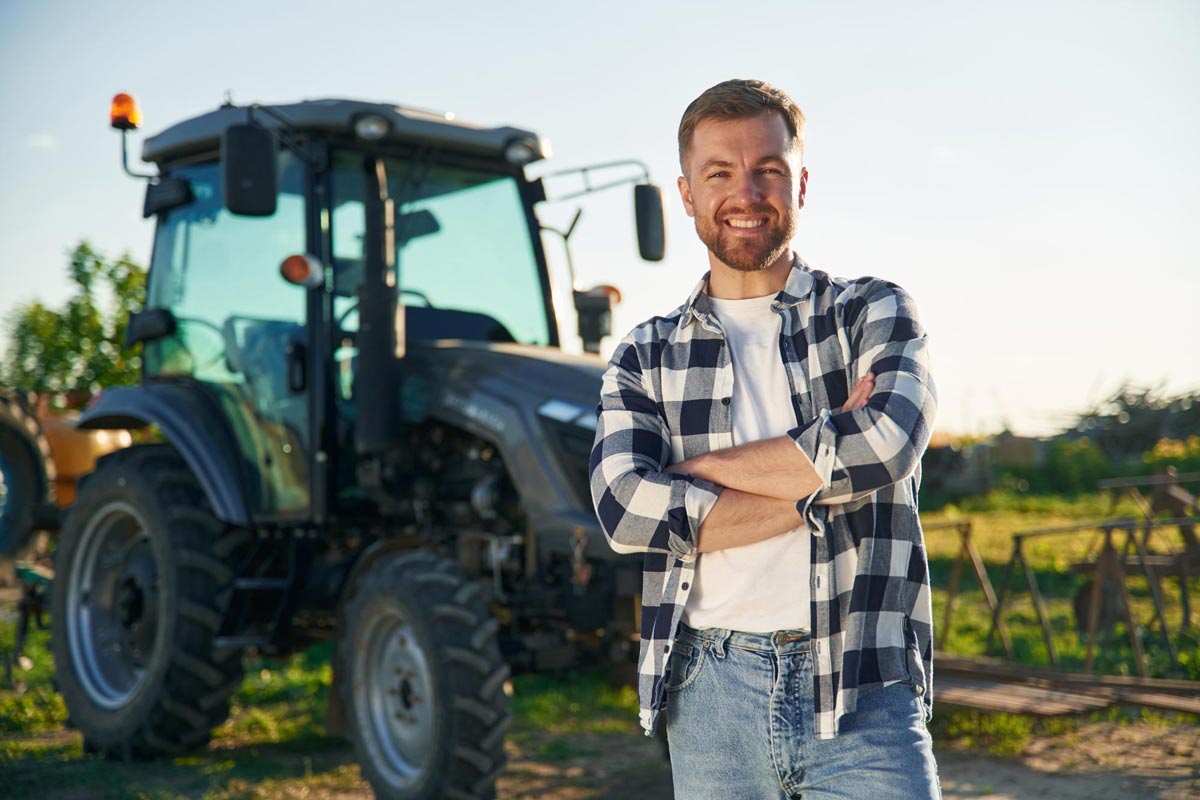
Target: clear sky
pixel 1028 170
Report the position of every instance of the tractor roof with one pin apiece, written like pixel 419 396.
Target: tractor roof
pixel 203 133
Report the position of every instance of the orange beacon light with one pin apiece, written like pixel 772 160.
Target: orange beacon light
pixel 124 114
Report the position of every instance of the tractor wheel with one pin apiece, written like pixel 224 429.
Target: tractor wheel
pixel 142 570
pixel 422 680
pixel 18 488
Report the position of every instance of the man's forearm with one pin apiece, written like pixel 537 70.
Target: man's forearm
pixel 739 518
pixel 773 468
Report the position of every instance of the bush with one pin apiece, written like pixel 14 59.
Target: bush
pixel 1183 455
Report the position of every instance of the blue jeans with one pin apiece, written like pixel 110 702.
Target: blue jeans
pixel 740 726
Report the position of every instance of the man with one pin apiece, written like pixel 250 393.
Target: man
pixel 761 446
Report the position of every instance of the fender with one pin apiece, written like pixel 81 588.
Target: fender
pixel 191 421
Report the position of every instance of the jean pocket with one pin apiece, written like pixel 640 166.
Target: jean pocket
pixel 687 657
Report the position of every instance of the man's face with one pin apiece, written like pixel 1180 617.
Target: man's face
pixel 744 186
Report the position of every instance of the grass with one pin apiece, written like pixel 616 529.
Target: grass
pixel 274 744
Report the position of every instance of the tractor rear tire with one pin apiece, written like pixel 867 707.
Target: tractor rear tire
pixel 19 478
pixel 422 680
pixel 143 573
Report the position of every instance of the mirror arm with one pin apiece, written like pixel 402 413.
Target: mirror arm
pixel 566 237
pixel 585 173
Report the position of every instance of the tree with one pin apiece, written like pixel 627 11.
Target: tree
pixel 80 347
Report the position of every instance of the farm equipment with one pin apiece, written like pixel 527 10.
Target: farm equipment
pixel 369 432
pixel 42 456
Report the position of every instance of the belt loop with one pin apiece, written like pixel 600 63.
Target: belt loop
pixel 719 643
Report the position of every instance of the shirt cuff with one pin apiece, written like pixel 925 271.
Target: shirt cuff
pixel 815 440
pixel 698 498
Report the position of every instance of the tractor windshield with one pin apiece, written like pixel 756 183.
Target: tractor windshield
pixel 466 264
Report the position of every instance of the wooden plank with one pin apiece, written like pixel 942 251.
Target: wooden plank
pixel 997 668
pixel 1166 702
pixel 992 695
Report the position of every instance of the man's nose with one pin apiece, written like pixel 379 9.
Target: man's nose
pixel 748 189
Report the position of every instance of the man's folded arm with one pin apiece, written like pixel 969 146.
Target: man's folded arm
pixel 864 450
pixel 641 508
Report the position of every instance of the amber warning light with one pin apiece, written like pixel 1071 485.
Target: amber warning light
pixel 302 270
pixel 124 114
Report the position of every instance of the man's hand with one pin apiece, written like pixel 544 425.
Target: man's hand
pixel 861 393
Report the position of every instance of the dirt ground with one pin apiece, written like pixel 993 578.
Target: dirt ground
pixel 1098 761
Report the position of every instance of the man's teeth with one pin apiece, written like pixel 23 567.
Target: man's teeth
pixel 745 223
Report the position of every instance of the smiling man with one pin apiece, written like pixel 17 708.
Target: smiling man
pixel 761 446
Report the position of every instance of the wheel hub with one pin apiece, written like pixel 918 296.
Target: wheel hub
pixel 396 704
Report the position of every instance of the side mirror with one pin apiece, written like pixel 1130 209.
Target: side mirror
pixel 149 324
pixel 248 170
pixel 651 226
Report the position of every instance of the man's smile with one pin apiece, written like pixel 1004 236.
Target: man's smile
pixel 747 224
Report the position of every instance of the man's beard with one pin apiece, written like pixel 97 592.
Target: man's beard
pixel 743 254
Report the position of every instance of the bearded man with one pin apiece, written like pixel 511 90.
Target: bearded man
pixel 761 446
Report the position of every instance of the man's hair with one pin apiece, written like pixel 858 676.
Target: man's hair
pixel 738 99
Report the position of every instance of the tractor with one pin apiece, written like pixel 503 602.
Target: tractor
pixel 363 428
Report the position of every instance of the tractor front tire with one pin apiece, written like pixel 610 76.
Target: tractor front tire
pixel 422 680
pixel 142 571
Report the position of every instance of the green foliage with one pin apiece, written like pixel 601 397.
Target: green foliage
pixel 79 347
pixel 1181 454
pixel 1072 467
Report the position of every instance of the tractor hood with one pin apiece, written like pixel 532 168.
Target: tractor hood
pixel 535 375
pixel 537 404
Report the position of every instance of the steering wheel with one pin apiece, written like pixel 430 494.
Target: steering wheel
pixel 353 307
pixel 195 323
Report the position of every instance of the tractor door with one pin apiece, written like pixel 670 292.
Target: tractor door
pixel 468 267
pixel 240 327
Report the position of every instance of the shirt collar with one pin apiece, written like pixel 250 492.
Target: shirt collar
pixel 799 285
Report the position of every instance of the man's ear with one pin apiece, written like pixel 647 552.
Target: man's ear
pixel 686 194
pixel 803 184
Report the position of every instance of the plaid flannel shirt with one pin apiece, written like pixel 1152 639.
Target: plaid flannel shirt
pixel 666 398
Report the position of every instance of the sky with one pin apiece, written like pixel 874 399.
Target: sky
pixel 1028 171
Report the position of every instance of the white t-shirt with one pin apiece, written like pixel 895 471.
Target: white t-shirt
pixel 763 586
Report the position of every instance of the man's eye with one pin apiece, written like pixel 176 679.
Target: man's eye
pixel 718 175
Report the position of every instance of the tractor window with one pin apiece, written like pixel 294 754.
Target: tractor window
pixel 236 320
pixel 467 268
pixel 215 270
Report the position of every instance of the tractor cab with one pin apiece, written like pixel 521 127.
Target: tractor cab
pixel 301 251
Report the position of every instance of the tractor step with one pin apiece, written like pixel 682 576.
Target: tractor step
pixel 263 584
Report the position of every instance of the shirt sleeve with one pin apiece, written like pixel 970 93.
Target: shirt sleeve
pixel 641 508
pixel 859 452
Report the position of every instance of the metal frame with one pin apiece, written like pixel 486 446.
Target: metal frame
pixel 1109 565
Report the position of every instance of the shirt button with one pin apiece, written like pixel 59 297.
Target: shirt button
pixel 684 587
pixel 724 401
pixel 667 649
